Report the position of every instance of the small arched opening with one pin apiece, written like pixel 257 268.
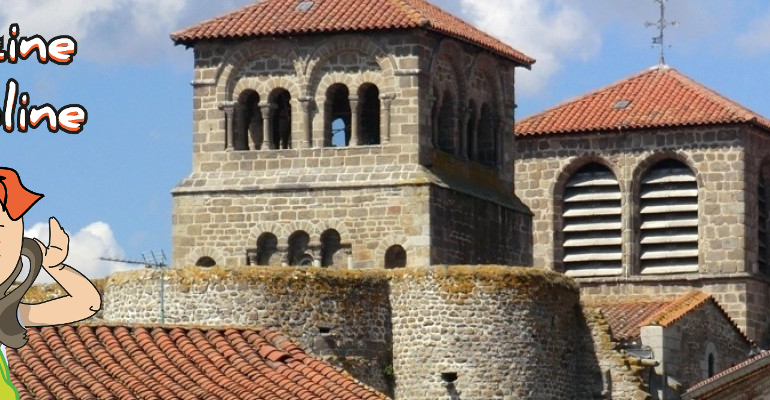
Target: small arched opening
pixel 395 257
pixel 247 121
pixel 330 244
pixel 338 116
pixel 281 118
pixel 486 136
pixel 447 123
pixel 205 262
pixel 369 96
pixel 298 247
pixel 470 132
pixel 267 246
pixel 711 365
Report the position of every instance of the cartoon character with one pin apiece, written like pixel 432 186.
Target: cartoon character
pixel 82 301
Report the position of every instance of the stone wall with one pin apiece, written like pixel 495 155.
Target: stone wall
pixel 341 316
pixel 703 333
pixel 507 332
pixel 725 161
pixel 369 218
pixel 504 333
pixel 468 230
pixel 617 376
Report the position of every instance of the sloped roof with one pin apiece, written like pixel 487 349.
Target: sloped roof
pixel 732 377
pixel 626 319
pixel 660 97
pixel 119 362
pixel 286 17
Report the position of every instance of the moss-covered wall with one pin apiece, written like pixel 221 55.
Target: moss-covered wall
pixel 507 332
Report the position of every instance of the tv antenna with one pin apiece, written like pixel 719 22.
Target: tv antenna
pixel 155 261
pixel 149 260
pixel 661 26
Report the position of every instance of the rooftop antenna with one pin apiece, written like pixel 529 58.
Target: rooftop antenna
pixel 661 26
pixel 155 261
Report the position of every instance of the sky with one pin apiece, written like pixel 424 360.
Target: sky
pixel 109 186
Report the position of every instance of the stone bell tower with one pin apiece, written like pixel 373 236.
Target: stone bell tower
pixel 375 136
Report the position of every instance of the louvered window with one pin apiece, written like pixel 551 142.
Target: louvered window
pixel 762 238
pixel 669 218
pixel 592 224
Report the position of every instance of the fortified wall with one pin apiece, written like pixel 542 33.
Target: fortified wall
pixel 414 333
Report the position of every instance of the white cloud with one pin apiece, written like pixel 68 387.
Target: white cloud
pixel 86 247
pixel 551 31
pixel 111 30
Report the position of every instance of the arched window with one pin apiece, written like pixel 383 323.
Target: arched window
pixel 486 136
pixel 592 221
pixel 205 262
pixel 267 245
pixel 763 221
pixel 281 118
pixel 446 123
pixel 470 132
pixel 338 115
pixel 330 244
pixel 711 365
pixel 247 121
pixel 369 96
pixel 434 115
pixel 668 205
pixel 298 246
pixel 395 257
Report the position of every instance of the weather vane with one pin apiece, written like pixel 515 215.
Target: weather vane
pixel 661 25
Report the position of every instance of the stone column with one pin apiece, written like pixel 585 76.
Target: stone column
pixel 354 111
pixel 307 120
pixel 267 136
pixel 386 100
pixel 228 108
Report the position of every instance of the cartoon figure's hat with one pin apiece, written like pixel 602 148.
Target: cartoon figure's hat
pixel 16 198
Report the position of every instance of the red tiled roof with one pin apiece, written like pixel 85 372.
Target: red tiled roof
pixel 117 362
pixel 284 17
pixel 732 375
pixel 627 318
pixel 660 97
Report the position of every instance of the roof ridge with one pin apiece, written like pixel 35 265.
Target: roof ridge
pixel 414 14
pixel 715 96
pixel 677 308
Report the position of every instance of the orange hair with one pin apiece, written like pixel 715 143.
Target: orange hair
pixel 14 196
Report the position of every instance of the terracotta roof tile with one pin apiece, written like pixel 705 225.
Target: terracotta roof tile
pixel 118 362
pixel 660 97
pixel 268 18
pixel 627 318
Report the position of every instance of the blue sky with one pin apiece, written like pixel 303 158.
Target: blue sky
pixel 109 185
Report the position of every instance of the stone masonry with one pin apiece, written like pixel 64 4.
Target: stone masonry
pixel 373 200
pixel 726 161
pixel 480 332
